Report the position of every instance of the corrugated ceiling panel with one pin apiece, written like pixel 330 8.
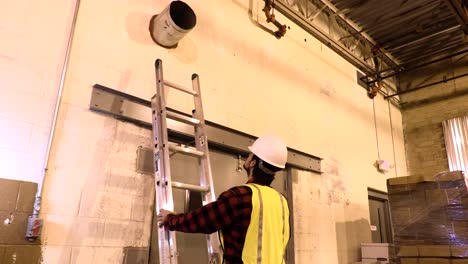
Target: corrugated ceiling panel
pixel 392 23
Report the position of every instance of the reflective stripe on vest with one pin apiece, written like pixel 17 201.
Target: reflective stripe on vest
pixel 268 233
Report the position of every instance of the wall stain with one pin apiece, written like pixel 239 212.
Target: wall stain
pixel 333 180
pixel 6 57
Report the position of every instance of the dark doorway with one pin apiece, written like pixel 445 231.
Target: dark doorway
pixel 381 228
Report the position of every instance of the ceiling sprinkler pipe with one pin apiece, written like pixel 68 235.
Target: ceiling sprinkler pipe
pixel 270 17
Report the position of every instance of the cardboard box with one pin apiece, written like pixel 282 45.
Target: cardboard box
pixel 409 261
pixel 375 252
pixel 434 251
pixel 446 176
pixel 408 251
pixel 459 251
pixel 426 210
pixel 434 261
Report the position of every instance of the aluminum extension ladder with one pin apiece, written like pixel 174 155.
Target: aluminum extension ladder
pixel 162 148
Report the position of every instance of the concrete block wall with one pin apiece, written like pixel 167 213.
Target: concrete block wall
pixel 96 206
pixel 34 37
pixel 16 205
pixel 426 109
pixel 97 209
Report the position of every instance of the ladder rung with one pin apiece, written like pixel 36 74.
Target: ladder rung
pixel 182 118
pixel 180 88
pixel 192 187
pixel 185 150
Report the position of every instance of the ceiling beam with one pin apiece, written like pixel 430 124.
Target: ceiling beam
pixel 458 8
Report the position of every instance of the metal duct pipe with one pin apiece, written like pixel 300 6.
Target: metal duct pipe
pixel 37 204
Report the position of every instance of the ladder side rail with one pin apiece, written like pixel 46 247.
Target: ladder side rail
pixel 201 143
pixel 206 179
pixel 160 195
pixel 167 239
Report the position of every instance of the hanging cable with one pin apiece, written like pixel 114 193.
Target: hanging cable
pixel 393 141
pixel 376 133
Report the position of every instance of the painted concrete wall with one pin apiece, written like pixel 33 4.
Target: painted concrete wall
pixel 33 44
pixel 95 204
pixel 427 108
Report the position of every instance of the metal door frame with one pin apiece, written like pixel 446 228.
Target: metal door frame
pixel 378 195
pixel 290 255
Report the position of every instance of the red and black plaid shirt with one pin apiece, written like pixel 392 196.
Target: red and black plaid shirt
pixel 230 213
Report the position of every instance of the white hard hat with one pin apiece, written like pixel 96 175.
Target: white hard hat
pixel 270 149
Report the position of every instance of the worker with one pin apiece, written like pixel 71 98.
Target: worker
pixel 252 219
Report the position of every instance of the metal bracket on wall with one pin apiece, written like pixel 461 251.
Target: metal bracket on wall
pixel 135 110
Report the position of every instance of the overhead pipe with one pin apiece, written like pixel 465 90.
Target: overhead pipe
pixel 426 85
pixel 34 223
pixel 424 38
pixel 434 51
pixel 399 70
pixel 429 51
pixel 270 17
pixel 417 67
pixel 436 99
pixel 388 50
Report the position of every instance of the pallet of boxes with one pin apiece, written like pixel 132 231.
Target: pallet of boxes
pixel 430 218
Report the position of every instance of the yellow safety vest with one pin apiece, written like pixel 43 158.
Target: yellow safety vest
pixel 268 231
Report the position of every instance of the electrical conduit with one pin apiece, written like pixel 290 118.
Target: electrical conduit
pixel 37 204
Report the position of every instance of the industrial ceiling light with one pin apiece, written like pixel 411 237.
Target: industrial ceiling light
pixel 172 24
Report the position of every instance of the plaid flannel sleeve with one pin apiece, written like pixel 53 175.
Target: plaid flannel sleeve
pixel 209 218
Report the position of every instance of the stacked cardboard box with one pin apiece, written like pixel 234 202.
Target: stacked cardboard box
pixel 433 254
pixel 430 211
